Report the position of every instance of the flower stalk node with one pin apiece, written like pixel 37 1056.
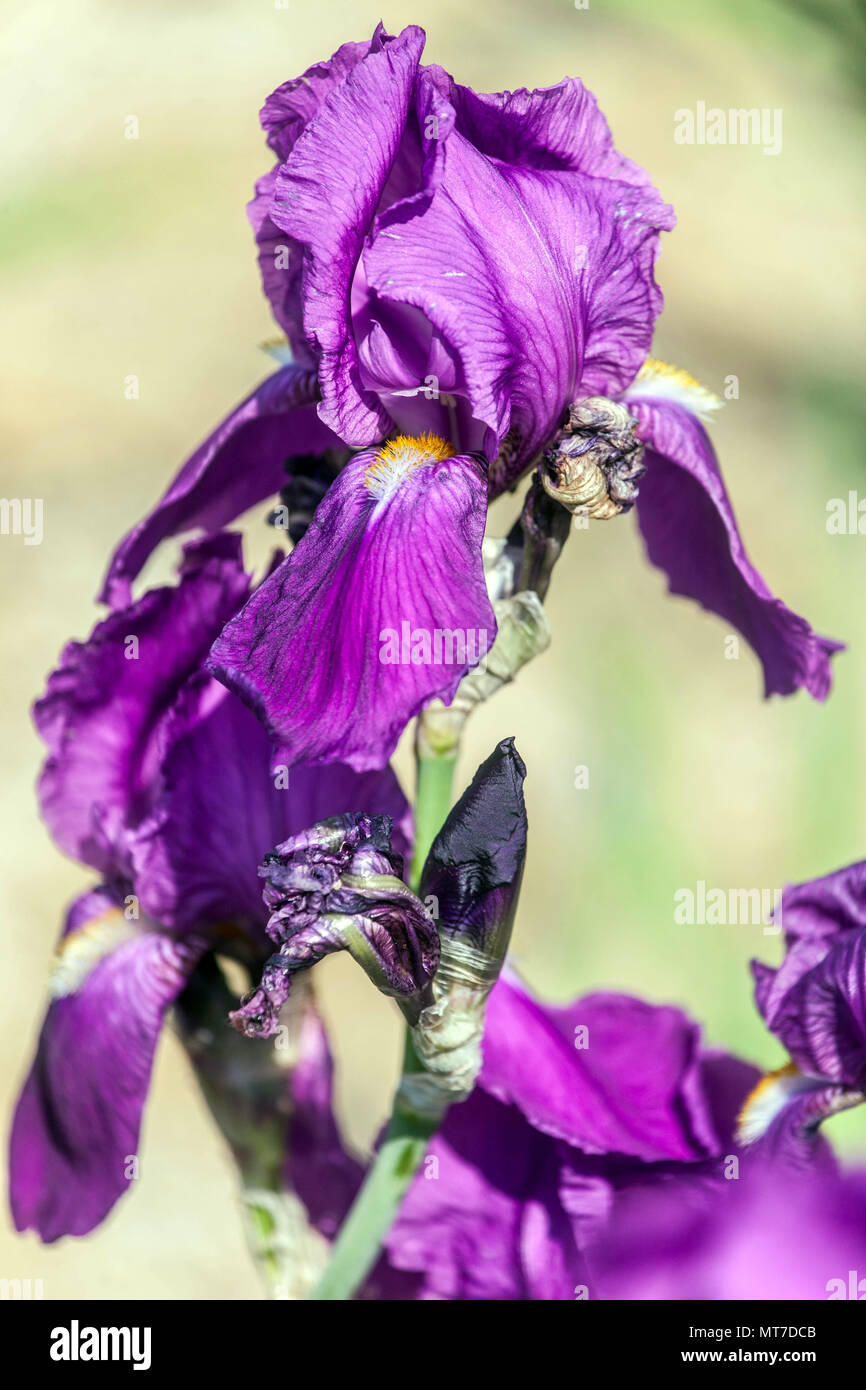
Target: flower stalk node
pixel 447 1037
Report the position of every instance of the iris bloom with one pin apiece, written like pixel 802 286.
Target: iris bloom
pixel 453 272
pixel 160 780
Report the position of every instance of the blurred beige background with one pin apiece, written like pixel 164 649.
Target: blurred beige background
pixel 122 256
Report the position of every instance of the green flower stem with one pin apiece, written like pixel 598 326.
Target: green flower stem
pixel 244 1086
pixel 357 1247
pixel 432 804
pixel 402 1151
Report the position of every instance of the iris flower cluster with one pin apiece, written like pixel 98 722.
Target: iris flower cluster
pixel 465 291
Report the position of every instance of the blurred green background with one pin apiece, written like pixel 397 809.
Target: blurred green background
pixel 133 257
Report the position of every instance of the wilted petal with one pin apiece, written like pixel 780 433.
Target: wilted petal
pixel 691 533
pixel 103 704
pixel 337 887
pixel 238 465
pixel 324 652
pixel 75 1132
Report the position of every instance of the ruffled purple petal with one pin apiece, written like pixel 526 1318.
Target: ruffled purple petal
pixel 691 533
pixel 76 1127
pixel 238 465
pixel 102 706
pixel 325 197
pixel 560 302
pixel 822 907
pixel 813 1001
pixel 222 806
pixel 284 117
pixel 821 1021
pixel 630 1084
pixel 555 128
pixel 324 651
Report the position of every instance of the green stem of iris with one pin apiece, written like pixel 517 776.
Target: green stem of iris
pixel 357 1247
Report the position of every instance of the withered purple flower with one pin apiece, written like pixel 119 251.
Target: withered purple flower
pixel 338 887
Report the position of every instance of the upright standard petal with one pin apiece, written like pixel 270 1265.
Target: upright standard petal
pixel 240 464
pixel 74 1145
pixel 381 607
pixel 104 703
pixel 691 533
pixel 284 116
pixel 325 198
pixel 559 303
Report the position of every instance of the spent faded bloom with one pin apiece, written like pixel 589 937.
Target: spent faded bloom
pixel 338 887
pixel 162 781
pixel 462 278
pixel 815 1004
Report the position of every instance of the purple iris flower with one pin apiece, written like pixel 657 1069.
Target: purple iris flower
pixel 453 272
pixel 815 1004
pixel 161 780
pixel 574 1106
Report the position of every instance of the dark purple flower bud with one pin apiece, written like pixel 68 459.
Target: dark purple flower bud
pixel 471 882
pixel 475 865
pixel 595 462
pixel 338 887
